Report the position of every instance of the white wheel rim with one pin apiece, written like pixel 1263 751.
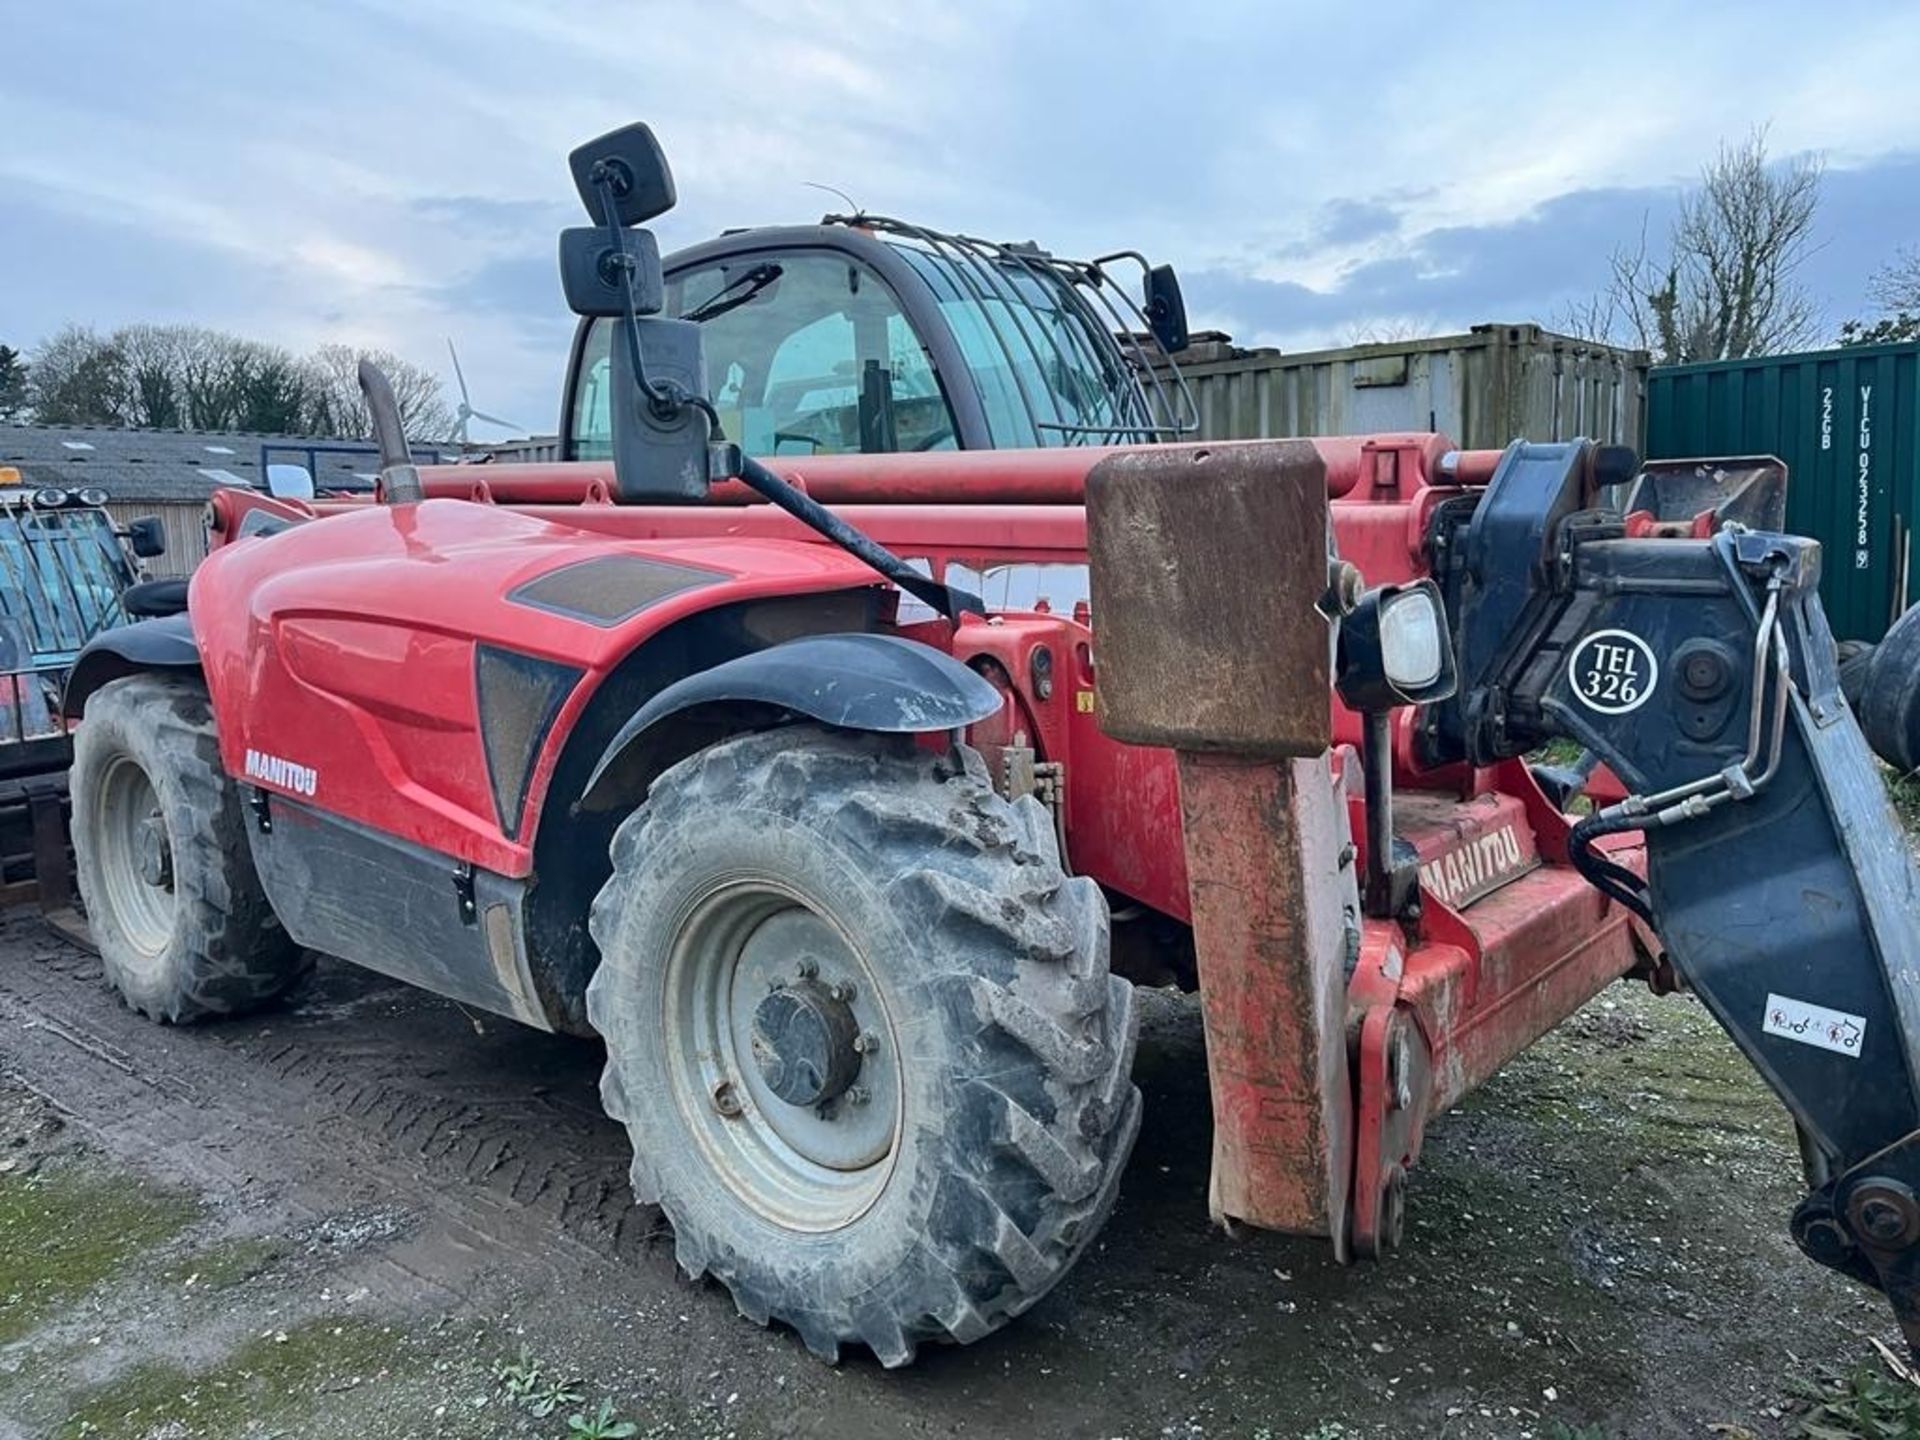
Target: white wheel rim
pixel 805 1168
pixel 138 897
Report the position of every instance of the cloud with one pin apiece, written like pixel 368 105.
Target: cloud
pixel 1531 268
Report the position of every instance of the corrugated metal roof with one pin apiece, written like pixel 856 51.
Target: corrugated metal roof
pixel 179 465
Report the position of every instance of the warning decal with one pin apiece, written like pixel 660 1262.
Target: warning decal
pixel 1612 671
pixel 1812 1024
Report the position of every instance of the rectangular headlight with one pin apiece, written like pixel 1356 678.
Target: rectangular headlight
pixel 1410 640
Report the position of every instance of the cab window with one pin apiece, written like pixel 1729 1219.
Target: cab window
pixel 808 353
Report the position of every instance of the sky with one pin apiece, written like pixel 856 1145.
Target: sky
pixel 394 175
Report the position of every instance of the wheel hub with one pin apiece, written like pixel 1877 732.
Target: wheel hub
pixel 152 854
pixel 806 1043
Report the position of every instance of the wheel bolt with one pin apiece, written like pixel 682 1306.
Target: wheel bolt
pixel 807 969
pixel 726 1100
pixel 864 1043
pixel 858 1095
pixel 841 990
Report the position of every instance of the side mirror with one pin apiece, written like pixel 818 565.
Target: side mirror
pixel 590 271
pixel 289 482
pixel 1166 311
pixel 1394 649
pixel 632 164
pixel 659 371
pixel 659 456
pixel 146 537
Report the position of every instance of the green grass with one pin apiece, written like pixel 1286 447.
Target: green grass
pixel 273 1381
pixel 1904 791
pixel 1867 1403
pixel 63 1231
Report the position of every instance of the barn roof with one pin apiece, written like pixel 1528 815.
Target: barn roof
pixel 179 465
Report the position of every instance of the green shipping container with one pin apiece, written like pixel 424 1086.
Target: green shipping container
pixel 1847 424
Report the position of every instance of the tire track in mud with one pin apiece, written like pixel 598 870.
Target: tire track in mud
pixel 359 1090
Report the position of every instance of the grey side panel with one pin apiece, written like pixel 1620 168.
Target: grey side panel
pixel 163 644
pixel 348 891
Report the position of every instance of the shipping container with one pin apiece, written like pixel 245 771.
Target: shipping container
pixel 1495 384
pixel 1847 424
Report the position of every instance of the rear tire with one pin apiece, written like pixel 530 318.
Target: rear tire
pixel 1889 706
pixel 160 850
pixel 862 880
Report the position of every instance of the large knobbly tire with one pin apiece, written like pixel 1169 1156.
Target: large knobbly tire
pixel 1888 707
pixel 992 1110
pixel 160 846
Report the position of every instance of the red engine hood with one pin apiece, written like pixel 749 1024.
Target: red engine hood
pixel 341 653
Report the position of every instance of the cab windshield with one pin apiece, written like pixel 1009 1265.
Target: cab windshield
pixel 61 575
pixel 1046 372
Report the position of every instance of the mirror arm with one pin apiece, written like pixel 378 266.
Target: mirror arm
pixel 946 599
pixel 666 400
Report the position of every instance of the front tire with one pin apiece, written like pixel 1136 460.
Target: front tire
pixel 160 850
pixel 861 1030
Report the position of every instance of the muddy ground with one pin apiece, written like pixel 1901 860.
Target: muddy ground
pixel 373 1214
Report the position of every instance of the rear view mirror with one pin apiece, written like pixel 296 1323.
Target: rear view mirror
pixel 631 163
pixel 590 271
pixel 147 538
pixel 1165 309
pixel 289 482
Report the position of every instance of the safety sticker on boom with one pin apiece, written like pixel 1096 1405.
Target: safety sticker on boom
pixel 1812 1024
pixel 1612 671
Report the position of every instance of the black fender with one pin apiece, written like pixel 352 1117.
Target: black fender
pixel 163 644
pixel 878 683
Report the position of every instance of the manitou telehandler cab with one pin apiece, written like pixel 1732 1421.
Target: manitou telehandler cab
pixel 727 761
pixel 866 335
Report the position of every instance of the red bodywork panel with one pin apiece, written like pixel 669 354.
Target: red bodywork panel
pixel 348 649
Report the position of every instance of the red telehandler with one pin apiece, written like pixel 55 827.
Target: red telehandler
pixel 798 782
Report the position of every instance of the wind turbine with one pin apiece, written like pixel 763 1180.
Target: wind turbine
pixel 466 411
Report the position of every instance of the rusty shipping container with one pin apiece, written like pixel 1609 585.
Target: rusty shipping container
pixel 1495 384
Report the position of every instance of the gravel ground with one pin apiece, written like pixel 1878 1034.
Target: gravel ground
pixel 371 1213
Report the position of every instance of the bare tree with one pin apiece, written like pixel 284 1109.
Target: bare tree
pixel 152 377
pixel 343 409
pixel 77 378
pixel 1895 288
pixel 1727 284
pixel 189 377
pixel 1896 285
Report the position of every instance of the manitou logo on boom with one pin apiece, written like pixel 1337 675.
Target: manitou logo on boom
pixel 300 779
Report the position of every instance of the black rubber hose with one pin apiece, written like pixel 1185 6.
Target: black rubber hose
pixel 1609 877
